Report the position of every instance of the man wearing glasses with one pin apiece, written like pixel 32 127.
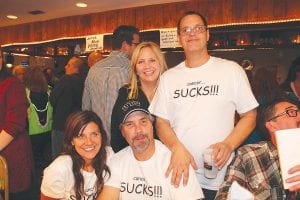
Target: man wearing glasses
pixel 195 104
pixel 256 166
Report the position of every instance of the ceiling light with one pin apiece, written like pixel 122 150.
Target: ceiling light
pixel 81 5
pixel 11 17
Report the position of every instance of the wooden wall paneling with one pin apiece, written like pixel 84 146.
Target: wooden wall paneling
pixel 227 11
pixel 215 12
pixel 139 18
pixel 203 8
pixel 16 34
pixel 101 23
pixel 152 17
pixel 85 24
pixel 111 21
pixel 78 28
pixel 252 11
pixel 121 17
pixel 95 21
pixel 265 10
pixel 293 9
pixel 191 5
pixel 65 26
pixel 35 32
pixel 130 16
pixel 279 9
pixel 26 31
pixel 239 11
pixel 3 36
pixel 57 23
pixel 149 17
pixel 169 11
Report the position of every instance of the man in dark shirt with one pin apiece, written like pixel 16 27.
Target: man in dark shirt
pixel 65 99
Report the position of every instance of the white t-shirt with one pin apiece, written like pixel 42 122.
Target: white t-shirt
pixel 200 104
pixel 58 181
pixel 146 180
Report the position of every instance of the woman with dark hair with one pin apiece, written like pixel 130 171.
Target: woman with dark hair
pixel 265 89
pixel 40 114
pixel 79 173
pixel 14 140
pixel 292 83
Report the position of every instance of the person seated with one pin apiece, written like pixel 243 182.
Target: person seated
pixel 80 171
pixel 138 171
pixel 256 166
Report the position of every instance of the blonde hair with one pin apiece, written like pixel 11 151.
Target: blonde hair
pixel 133 78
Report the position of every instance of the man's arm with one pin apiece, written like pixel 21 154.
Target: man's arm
pixel 222 150
pixel 181 157
pixel 109 193
pixel 295 178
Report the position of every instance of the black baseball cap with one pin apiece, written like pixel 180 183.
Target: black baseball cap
pixel 128 107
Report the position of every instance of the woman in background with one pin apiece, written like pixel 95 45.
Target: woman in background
pixel 146 66
pixel 78 173
pixel 265 89
pixel 40 114
pixel 291 85
pixel 14 140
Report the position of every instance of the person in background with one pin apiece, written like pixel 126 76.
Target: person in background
pixel 292 83
pixel 256 166
pixel 66 98
pixel 19 72
pixel 79 173
pixel 94 57
pixel 197 110
pixel 146 66
pixel 14 140
pixel 107 76
pixel 50 76
pixel 40 116
pixel 265 89
pixel 137 171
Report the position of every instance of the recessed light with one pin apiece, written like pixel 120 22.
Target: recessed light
pixel 11 17
pixel 81 5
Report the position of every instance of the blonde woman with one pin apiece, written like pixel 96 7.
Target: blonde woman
pixel 146 66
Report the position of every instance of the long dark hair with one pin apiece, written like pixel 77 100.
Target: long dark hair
pixel 265 86
pixel 35 79
pixel 76 123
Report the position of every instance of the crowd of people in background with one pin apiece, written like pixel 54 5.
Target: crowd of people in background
pixel 127 127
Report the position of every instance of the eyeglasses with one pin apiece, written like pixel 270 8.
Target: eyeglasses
pixel 196 29
pixel 289 112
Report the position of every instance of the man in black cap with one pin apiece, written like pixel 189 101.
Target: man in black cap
pixel 138 171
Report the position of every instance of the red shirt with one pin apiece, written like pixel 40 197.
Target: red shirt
pixel 13 113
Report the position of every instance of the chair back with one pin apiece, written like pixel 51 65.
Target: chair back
pixel 4 178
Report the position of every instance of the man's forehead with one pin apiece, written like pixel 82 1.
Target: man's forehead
pixel 187 20
pixel 283 106
pixel 134 114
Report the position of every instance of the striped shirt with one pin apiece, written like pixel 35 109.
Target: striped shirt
pixel 102 84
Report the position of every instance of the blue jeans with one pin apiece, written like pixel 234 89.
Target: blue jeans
pixel 57 138
pixel 209 194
